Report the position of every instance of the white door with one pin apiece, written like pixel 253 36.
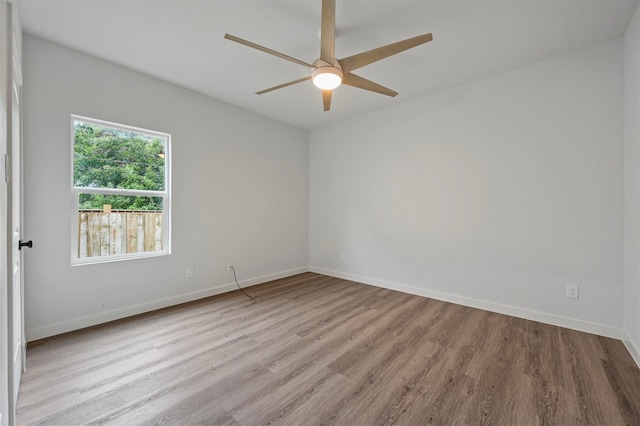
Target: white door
pixel 4 303
pixel 16 208
pixel 5 25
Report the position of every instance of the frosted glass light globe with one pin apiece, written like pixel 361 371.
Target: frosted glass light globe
pixel 327 78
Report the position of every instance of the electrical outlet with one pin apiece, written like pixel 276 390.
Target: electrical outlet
pixel 229 265
pixel 342 257
pixel 190 272
pixel 573 291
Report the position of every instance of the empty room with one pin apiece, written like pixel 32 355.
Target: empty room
pixel 320 212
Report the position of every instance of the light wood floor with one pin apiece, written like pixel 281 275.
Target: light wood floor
pixel 320 350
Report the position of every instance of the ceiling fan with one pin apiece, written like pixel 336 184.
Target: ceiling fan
pixel 328 71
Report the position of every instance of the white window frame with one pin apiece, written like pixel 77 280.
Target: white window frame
pixel 77 190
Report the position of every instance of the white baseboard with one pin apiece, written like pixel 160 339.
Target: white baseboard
pixel 632 347
pixel 574 324
pixel 102 317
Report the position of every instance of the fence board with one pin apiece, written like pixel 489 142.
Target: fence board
pixel 83 234
pixel 132 232
pixel 93 235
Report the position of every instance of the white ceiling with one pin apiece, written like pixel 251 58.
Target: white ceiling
pixel 181 41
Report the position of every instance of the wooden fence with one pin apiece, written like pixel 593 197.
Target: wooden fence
pixel 118 232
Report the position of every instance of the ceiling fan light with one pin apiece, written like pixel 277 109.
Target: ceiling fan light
pixel 327 78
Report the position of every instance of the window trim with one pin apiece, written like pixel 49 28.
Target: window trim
pixel 77 190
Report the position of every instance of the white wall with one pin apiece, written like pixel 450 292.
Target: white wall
pixel 632 187
pixel 494 194
pixel 239 192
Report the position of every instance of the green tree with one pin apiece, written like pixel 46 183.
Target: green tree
pixel 113 158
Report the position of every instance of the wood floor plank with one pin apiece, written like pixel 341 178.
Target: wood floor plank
pixel 318 350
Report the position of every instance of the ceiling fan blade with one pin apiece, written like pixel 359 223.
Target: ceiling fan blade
pixel 280 86
pixel 361 59
pixel 266 50
pixel 328 31
pixel 326 99
pixel 362 83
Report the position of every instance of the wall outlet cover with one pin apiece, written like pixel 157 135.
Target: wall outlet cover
pixel 573 291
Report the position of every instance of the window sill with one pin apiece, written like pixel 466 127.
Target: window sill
pixel 110 259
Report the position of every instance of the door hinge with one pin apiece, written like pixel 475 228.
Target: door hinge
pixel 7 169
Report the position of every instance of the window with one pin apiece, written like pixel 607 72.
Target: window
pixel 120 192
